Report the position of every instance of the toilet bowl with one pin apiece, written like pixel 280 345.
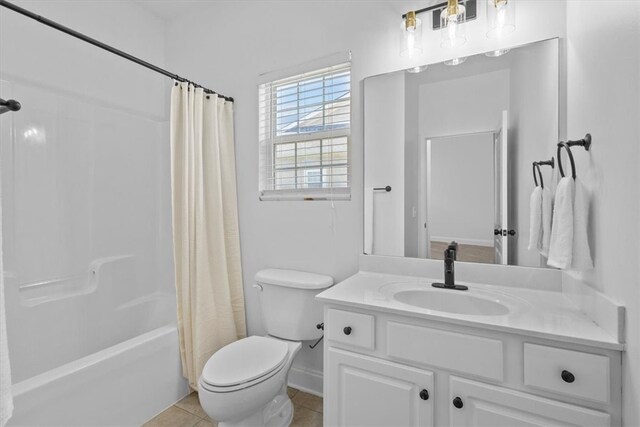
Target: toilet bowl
pixel 245 382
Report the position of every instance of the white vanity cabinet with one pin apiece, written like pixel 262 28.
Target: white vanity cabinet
pixel 376 392
pixel 388 369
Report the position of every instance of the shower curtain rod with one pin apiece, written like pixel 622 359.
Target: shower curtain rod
pixel 104 46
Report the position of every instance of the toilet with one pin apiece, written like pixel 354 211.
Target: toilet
pixel 245 383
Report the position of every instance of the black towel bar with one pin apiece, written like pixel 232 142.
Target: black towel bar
pixel 387 188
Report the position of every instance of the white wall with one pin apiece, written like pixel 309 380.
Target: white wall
pixel 384 162
pixel 603 98
pixel 225 45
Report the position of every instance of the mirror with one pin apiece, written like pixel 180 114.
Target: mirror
pixel 456 146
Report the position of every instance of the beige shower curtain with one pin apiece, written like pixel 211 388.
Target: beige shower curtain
pixel 206 240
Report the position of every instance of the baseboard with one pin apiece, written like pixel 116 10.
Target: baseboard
pixel 307 380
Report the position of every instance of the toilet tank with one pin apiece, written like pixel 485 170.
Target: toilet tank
pixel 287 301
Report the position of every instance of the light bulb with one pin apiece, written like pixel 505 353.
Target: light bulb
pixel 451 18
pixel 411 43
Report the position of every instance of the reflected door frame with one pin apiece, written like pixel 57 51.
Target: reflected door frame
pixel 424 190
pixel 424 185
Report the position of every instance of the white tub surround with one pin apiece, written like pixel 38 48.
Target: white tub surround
pixel 107 388
pixel 507 354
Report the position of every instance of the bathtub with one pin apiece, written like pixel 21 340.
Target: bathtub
pixel 123 385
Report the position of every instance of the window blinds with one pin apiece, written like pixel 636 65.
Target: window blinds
pixel 304 131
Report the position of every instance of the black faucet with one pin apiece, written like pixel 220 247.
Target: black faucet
pixel 449 276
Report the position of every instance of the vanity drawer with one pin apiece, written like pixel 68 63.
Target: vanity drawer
pixel 567 372
pixel 469 354
pixel 355 329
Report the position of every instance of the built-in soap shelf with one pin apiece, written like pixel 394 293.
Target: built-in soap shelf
pixel 47 290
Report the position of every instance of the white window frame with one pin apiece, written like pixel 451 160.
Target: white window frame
pixel 269 140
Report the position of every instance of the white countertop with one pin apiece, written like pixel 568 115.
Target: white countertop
pixel 536 313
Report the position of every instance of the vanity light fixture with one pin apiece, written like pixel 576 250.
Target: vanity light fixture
pixel 411 43
pixel 496 53
pixel 451 18
pixel 455 61
pixel 447 17
pixel 501 18
pixel 418 69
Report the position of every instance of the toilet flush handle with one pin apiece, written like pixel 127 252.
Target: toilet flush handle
pixel 258 286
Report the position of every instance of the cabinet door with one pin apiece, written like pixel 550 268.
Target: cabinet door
pixel 476 404
pixel 364 391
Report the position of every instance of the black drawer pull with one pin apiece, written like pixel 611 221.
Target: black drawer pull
pixel 347 330
pixel 424 394
pixel 457 402
pixel 567 377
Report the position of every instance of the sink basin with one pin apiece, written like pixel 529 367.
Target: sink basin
pixel 479 300
pixel 451 301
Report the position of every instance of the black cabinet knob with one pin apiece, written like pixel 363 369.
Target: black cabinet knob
pixel 424 394
pixel 457 402
pixel 567 377
pixel 347 330
pixel 512 232
pixel 497 231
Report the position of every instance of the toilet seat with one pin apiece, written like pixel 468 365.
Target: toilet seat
pixel 244 363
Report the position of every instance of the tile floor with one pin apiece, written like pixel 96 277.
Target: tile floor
pixel 188 413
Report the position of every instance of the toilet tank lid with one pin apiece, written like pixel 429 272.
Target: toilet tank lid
pixel 293 279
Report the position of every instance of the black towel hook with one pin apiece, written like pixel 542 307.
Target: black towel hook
pixel 584 142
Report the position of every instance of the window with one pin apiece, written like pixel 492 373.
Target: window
pixel 305 123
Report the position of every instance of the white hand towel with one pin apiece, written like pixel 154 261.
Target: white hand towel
pixel 6 398
pixel 547 212
pixel 535 219
pixel 581 251
pixel 561 245
pixel 368 221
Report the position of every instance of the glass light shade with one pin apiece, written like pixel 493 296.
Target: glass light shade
pixel 416 70
pixel 496 53
pixel 411 41
pixel 501 18
pixel 455 61
pixel 453 32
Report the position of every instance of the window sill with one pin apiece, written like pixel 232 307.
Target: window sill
pixel 306 195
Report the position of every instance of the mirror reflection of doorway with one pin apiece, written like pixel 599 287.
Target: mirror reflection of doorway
pixel 457 197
